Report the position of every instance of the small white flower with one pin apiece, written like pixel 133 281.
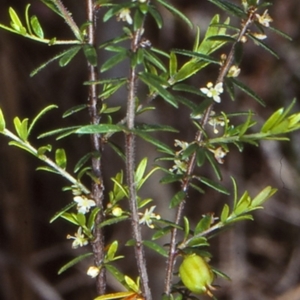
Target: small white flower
pixel 84 204
pixel 93 271
pixel 234 71
pixel 125 16
pixel 219 154
pixel 79 239
pixel 212 91
pixel 259 36
pixel 180 166
pixel 141 1
pixel 147 217
pixel 265 19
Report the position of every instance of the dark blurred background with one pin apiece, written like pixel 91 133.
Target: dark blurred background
pixel 261 257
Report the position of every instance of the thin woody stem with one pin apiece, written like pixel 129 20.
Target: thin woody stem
pixel 130 168
pixel 192 161
pixel 97 184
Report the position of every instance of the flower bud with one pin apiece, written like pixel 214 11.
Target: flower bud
pixel 196 274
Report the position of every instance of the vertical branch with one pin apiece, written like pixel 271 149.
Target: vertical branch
pixel 97 185
pixel 192 162
pixel 130 167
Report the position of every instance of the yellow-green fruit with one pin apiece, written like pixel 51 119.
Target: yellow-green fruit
pixel 196 274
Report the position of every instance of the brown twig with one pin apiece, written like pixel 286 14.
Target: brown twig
pixel 130 168
pixel 192 162
pixel 97 185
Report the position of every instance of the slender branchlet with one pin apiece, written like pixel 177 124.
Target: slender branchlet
pixel 68 18
pixel 130 167
pixel 192 161
pixel 97 185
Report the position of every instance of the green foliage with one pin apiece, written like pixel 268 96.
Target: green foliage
pixel 165 77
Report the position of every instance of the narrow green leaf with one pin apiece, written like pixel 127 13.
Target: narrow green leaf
pixel 160 145
pixel 248 91
pixel 222 38
pixel 21 128
pixel 36 27
pixel 115 272
pixel 246 125
pixel 117 149
pixel 200 157
pixel 138 20
pixel 204 224
pixel 225 213
pixel 90 54
pixel 155 128
pixel 101 128
pixel 81 219
pixel 172 64
pixel 43 149
pixel 113 221
pixel 243 204
pixel 186 228
pixel 52 6
pixel 39 115
pixel 27 19
pixel 230 7
pixel 176 12
pixel 68 56
pixel 198 242
pixel 156 15
pixel 214 164
pixel 229 88
pixel 263 45
pixel 42 66
pixel 235 191
pixel 183 87
pixel 157 248
pixel 177 198
pixel 216 186
pixel 47 169
pixel 66 130
pixel 74 110
pixel 263 196
pixel 62 211
pixel 140 171
pixel 151 57
pixel 2 121
pixel 16 22
pixel 197 188
pixel 113 61
pixel 161 232
pixel 91 220
pixel 191 148
pixel 112 250
pixel 279 32
pixel 198 55
pixel 74 262
pixel 241 218
pixel 154 82
pixel 61 158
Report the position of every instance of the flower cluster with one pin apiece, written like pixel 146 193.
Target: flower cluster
pixel 264 19
pixel 148 216
pixel 180 165
pixel 125 16
pixel 216 121
pixel 219 154
pixel 212 91
pixel 79 239
pixel 84 204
